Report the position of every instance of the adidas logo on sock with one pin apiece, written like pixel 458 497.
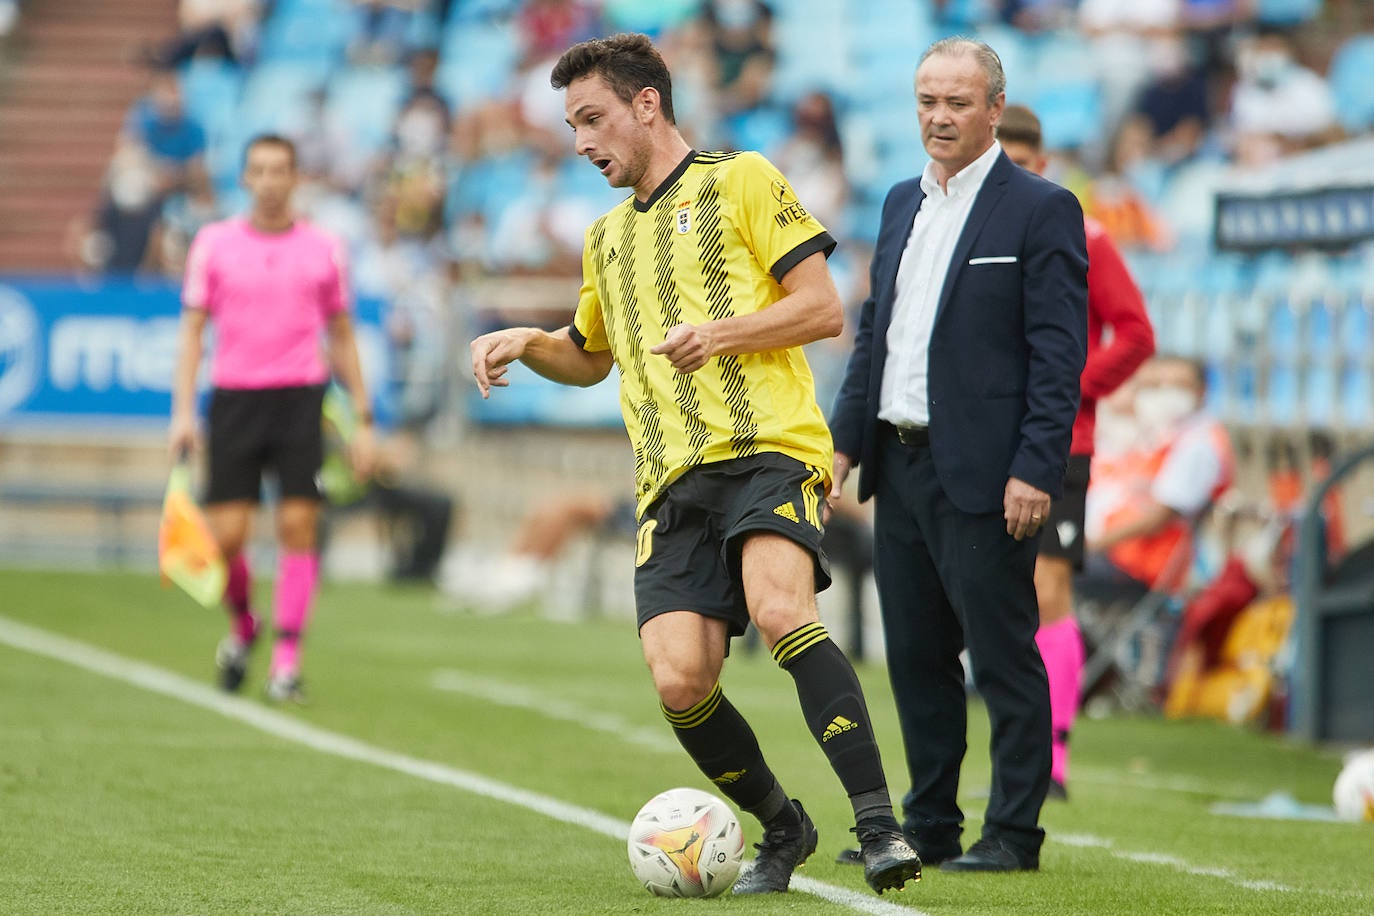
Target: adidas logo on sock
pixel 787 511
pixel 838 726
pixel 729 776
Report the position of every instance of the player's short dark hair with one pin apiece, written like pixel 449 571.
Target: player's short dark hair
pixel 270 140
pixel 1020 125
pixel 628 62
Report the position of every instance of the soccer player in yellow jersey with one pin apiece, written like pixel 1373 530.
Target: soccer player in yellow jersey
pixel 701 288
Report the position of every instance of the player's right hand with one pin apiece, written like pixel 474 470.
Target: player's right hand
pixel 182 438
pixel 491 355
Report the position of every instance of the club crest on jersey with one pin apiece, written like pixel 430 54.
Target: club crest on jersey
pixel 684 217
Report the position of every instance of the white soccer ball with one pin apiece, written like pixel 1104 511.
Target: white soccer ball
pixel 1354 790
pixel 686 843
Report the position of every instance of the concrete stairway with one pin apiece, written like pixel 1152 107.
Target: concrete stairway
pixel 66 82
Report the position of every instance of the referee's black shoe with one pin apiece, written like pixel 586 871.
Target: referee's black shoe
pixel 781 852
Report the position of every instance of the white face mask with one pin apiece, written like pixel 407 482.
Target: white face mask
pixel 1160 410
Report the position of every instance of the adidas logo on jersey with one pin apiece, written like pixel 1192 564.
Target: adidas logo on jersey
pixel 838 726
pixel 787 511
pixel 610 258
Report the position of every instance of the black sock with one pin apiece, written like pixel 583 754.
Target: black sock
pixel 833 703
pixel 723 745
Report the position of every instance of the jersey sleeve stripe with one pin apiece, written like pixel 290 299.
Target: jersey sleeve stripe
pixel 824 242
pixel 577 337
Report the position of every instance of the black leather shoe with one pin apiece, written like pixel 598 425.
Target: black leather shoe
pixel 992 854
pixel 889 861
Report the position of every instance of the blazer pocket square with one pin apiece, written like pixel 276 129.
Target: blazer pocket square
pixel 1003 259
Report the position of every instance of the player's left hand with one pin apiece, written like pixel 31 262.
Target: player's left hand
pixel 1025 508
pixel 687 347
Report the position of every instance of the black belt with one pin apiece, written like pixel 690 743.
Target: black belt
pixel 914 436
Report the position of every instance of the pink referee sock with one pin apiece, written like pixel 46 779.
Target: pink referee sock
pixel 238 595
pixel 1061 646
pixel 297 575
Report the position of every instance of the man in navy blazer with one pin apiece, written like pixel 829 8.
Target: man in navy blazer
pixel 957 407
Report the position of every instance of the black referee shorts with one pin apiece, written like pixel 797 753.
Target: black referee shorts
pixel 687 552
pixel 266 429
pixel 1063 533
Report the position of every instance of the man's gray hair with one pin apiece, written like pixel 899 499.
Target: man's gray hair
pixel 981 51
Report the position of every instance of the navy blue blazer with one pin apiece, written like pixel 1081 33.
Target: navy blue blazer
pixel 1007 348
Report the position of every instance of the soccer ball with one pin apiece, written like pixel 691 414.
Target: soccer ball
pixel 686 843
pixel 1354 790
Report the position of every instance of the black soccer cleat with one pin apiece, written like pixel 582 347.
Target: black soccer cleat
pixel 889 861
pixel 231 658
pixel 780 853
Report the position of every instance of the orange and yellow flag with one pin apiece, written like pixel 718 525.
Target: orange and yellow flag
pixel 187 554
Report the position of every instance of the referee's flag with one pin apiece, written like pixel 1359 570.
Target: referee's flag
pixel 187 554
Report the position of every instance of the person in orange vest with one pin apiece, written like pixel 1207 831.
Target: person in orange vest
pixel 1187 464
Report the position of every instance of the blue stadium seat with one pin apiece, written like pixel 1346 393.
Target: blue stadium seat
pixel 1354 324
pixel 366 100
pixel 1351 83
pixel 1320 394
pixel 277 94
pixel 306 32
pixel 210 88
pixel 1284 330
pixel 1281 399
pixel 1357 394
pixel 477 61
pixel 1286 12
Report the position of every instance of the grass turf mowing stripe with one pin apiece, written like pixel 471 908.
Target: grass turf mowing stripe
pixel 1089 841
pixel 158 680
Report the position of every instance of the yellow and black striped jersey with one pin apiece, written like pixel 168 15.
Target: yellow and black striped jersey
pixel 711 242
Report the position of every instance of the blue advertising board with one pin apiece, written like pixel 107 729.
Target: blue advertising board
pixel 77 355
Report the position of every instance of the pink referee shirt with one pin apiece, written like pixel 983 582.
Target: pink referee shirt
pixel 270 296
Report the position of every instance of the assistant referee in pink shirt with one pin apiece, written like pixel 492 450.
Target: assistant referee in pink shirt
pixel 275 289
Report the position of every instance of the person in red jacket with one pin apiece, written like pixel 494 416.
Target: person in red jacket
pixel 1114 302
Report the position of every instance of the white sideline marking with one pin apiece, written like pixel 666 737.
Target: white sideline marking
pixel 1088 841
pixel 519 696
pixel 157 680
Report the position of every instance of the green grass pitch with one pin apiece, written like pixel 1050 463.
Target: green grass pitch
pixel 116 798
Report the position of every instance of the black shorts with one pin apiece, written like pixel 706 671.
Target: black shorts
pixel 272 429
pixel 687 551
pixel 1063 533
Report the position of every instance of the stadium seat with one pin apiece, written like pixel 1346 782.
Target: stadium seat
pixel 477 61
pixel 1320 393
pixel 277 93
pixel 1357 394
pixel 1281 398
pixel 1351 84
pixel 307 32
pixel 210 88
pixel 1286 12
pixel 1354 329
pixel 366 100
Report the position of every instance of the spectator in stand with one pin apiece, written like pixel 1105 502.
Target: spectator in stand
pixel 1122 33
pixel 1115 306
pixel 1147 536
pixel 158 122
pixel 381 30
pixel 9 16
pixel 741 38
pixel 813 158
pixel 213 28
pixel 1279 106
pixel 1172 108
pixel 115 239
pixel 1114 199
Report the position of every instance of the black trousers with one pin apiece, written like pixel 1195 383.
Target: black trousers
pixel 946 580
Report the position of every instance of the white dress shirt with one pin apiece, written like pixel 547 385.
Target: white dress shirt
pixel 920 279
